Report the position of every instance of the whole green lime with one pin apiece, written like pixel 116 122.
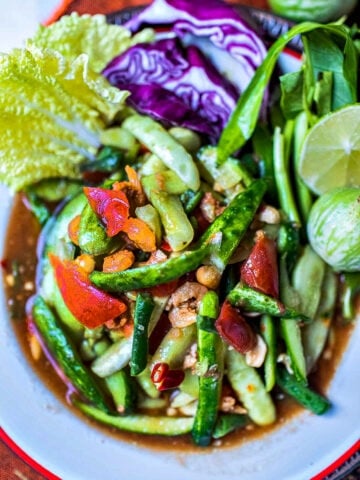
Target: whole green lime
pixel 315 10
pixel 334 228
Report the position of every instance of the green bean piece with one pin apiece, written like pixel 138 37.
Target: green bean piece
pixel 190 384
pixel 65 354
pixel 116 357
pixel 290 331
pixel 301 393
pixel 211 356
pixel 147 385
pixel 123 391
pixel 307 280
pixel 191 200
pixel 166 181
pixel 254 301
pixel 174 345
pixel 189 139
pixel 92 235
pixel 140 346
pixel 145 424
pixel 178 229
pixel 315 334
pixel 304 196
pixel 282 177
pixel 151 275
pixel 249 388
pixel 226 176
pixel 122 139
pixel 227 423
pixel 268 332
pixel 232 224
pixel 159 141
pixel 149 215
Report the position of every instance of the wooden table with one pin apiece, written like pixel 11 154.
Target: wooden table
pixel 12 467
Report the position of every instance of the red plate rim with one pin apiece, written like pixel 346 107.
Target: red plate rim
pixel 325 473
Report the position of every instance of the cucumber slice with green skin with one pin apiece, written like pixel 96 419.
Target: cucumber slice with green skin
pixel 145 424
pixel 65 354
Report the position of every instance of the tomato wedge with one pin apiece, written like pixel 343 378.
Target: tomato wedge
pixel 234 329
pixel 111 206
pixel 89 305
pixel 260 270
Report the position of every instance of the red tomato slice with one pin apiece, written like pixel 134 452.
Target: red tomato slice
pixel 90 306
pixel 260 270
pixel 234 329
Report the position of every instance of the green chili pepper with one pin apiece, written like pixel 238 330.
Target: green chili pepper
pixel 231 224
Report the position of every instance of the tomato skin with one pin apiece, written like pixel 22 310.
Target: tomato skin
pixel 89 305
pixel 234 329
pixel 260 269
pixel 111 206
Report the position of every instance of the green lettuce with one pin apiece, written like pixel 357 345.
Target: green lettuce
pixel 73 35
pixel 52 111
pixel 54 102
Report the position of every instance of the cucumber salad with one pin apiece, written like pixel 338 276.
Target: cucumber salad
pixel 199 212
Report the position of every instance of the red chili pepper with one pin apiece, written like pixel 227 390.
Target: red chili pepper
pixel 165 378
pixel 234 329
pixel 260 270
pixel 90 306
pixel 111 206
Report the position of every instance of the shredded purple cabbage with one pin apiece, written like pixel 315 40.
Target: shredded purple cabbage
pixel 194 76
pixel 216 28
pixel 175 85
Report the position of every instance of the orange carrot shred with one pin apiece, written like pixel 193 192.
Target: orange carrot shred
pixel 118 261
pixel 140 233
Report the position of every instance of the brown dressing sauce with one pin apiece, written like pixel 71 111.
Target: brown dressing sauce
pixel 20 249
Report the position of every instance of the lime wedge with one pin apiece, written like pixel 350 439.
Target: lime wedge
pixel 330 156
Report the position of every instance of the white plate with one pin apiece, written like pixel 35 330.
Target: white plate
pixel 66 446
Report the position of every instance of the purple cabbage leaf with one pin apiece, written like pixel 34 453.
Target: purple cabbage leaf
pixel 216 28
pixel 175 85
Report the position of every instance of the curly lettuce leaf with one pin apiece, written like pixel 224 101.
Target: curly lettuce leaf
pixel 75 34
pixel 52 111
